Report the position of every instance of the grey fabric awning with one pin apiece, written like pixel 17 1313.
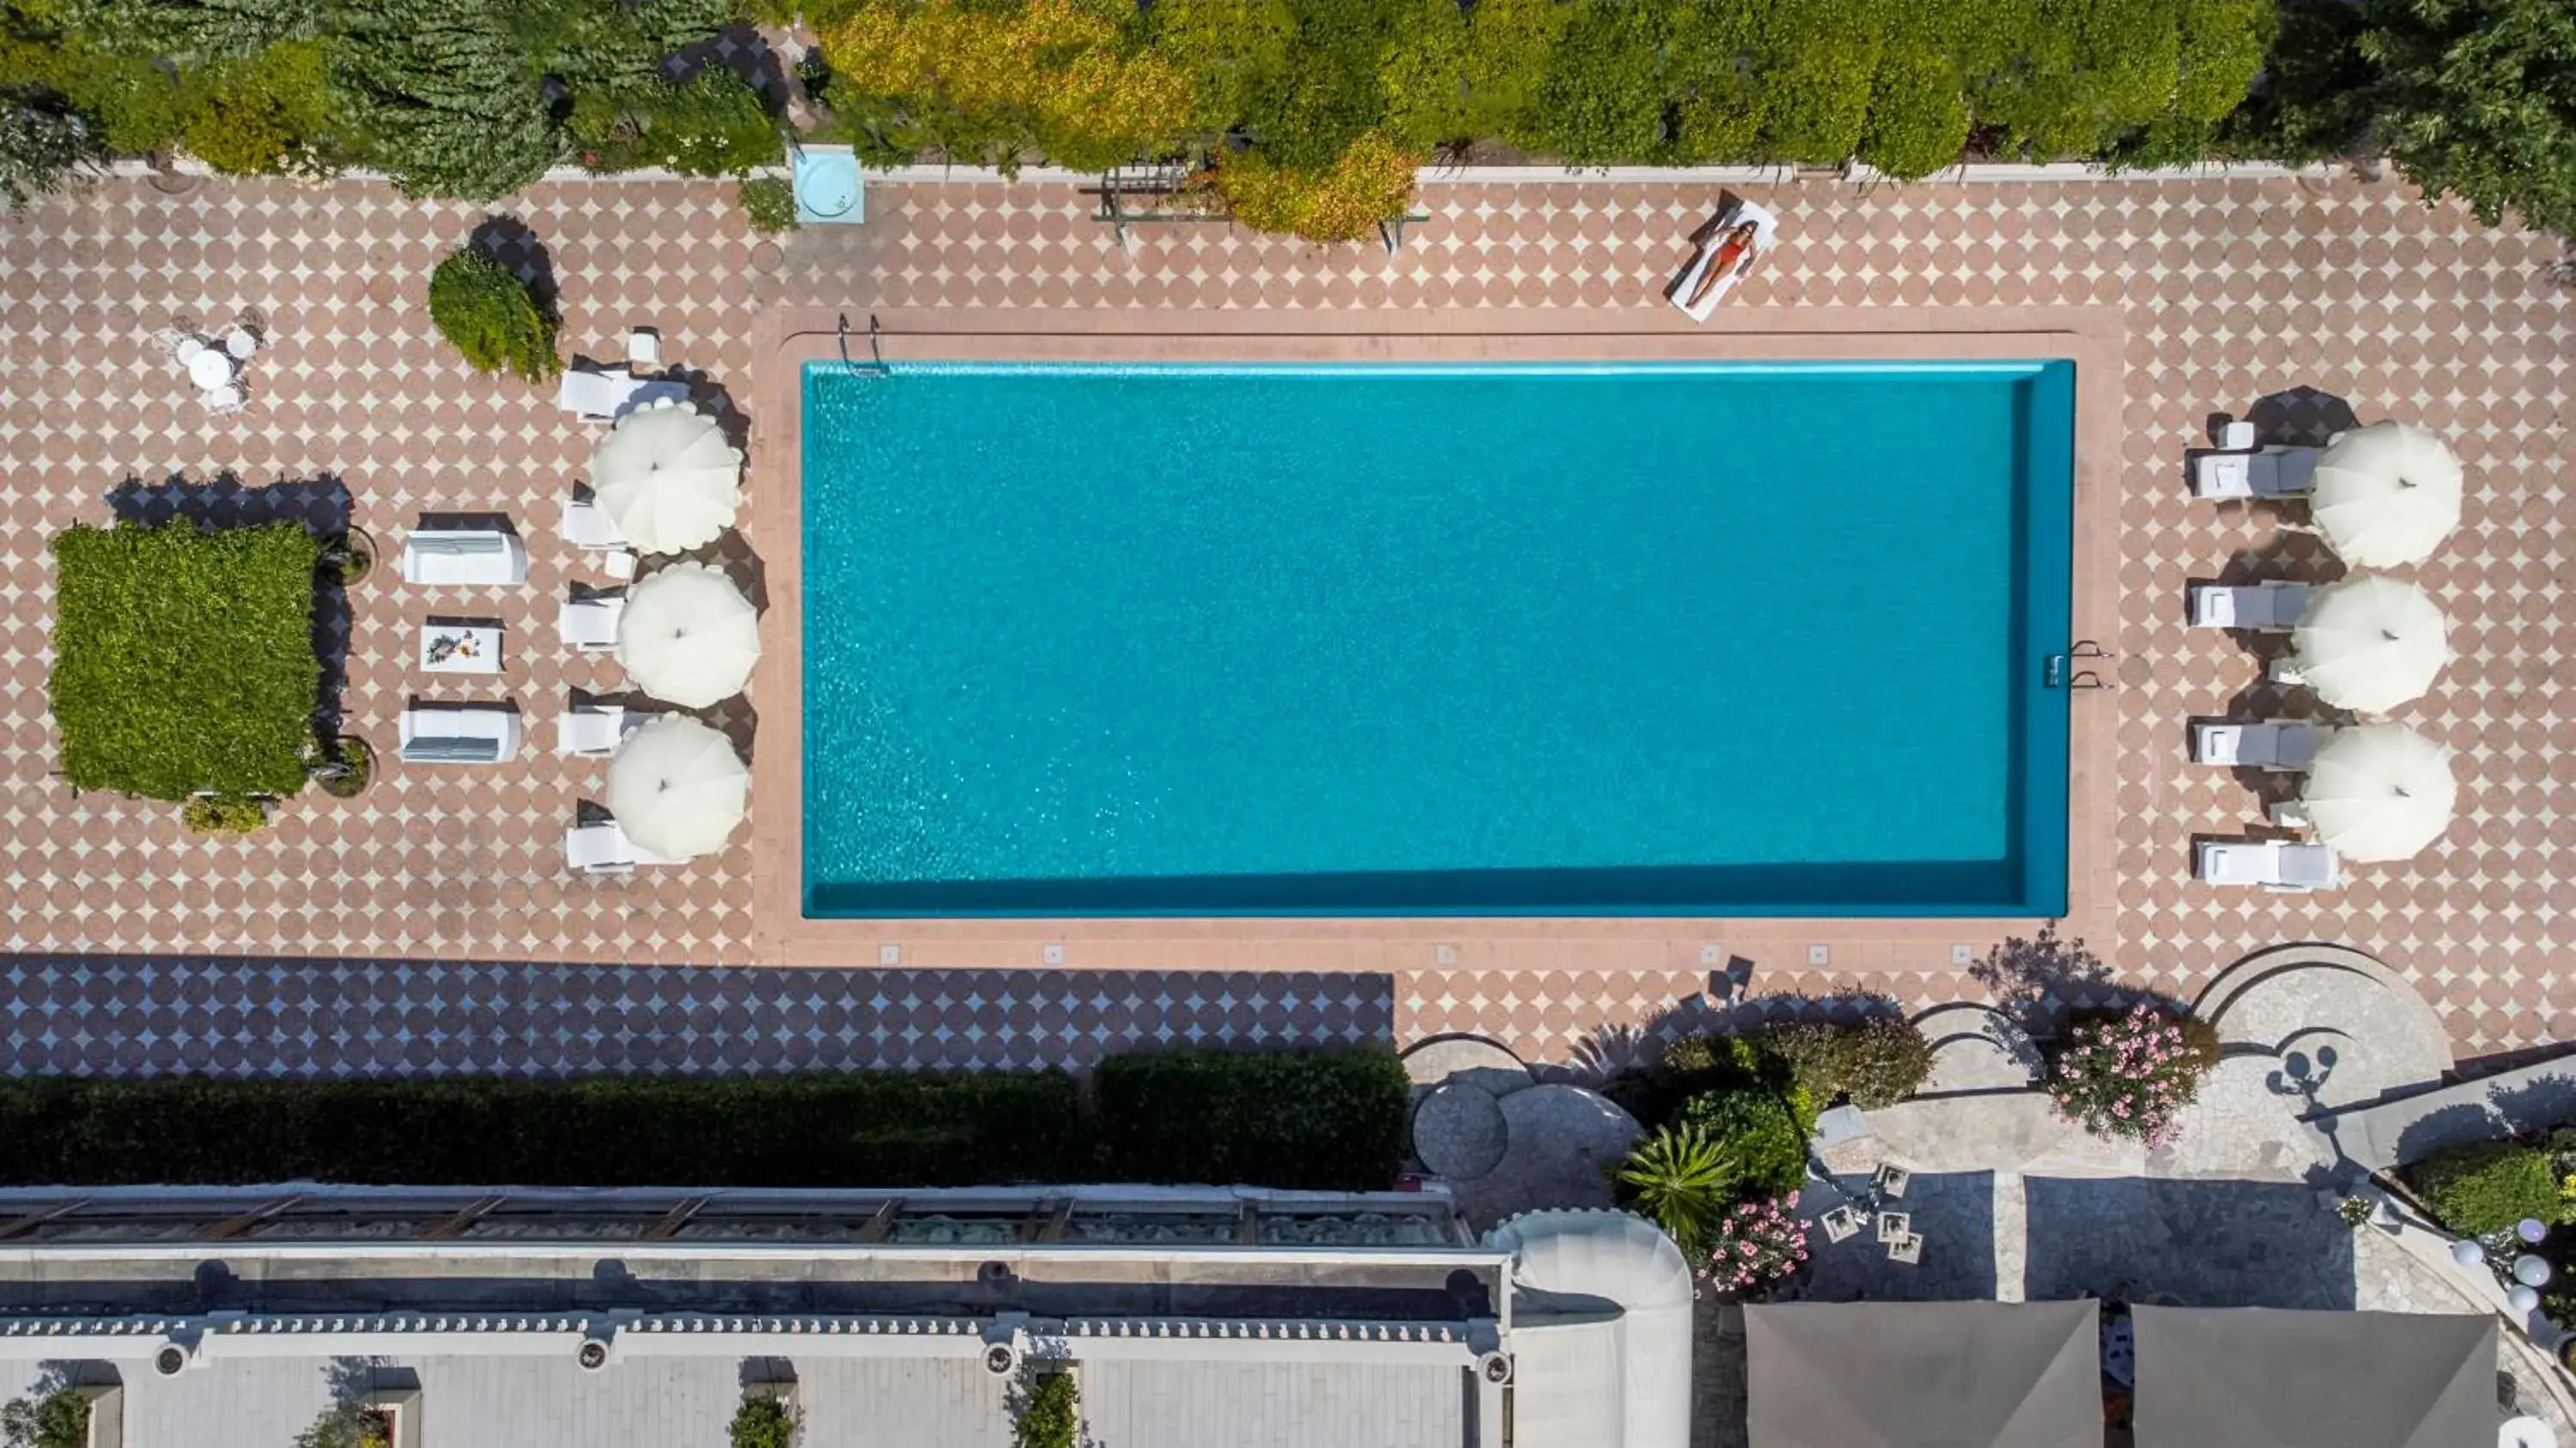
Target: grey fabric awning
pixel 1923 1374
pixel 2256 1377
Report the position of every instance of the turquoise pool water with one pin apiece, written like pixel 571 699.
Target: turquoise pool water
pixel 1700 639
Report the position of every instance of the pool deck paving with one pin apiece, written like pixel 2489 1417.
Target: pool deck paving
pixel 442 893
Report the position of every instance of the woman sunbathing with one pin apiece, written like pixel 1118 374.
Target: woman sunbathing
pixel 1729 255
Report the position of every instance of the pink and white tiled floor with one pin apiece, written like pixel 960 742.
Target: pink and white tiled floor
pixel 2228 290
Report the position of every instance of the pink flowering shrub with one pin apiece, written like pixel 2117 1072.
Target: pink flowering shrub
pixel 1758 1243
pixel 2129 1075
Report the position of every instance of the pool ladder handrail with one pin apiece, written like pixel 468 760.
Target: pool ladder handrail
pixel 2055 674
pixel 876 344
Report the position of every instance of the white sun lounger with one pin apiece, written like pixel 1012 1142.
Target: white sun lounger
pixel 586 527
pixel 2281 865
pixel 594 731
pixel 591 623
pixel 2270 607
pixel 2282 745
pixel 458 734
pixel 604 849
pixel 2267 472
pixel 608 396
pixel 464 556
pixel 1766 232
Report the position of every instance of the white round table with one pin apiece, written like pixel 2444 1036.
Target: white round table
pixel 210 369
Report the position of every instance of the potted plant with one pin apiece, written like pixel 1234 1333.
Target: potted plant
pixel 348 558
pixel 1050 1409
pixel 768 1417
pixel 344 766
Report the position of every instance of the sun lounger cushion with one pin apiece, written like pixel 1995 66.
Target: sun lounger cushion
pixel 464 555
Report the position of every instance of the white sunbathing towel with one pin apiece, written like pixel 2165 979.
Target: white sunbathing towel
pixel 2277 744
pixel 1766 231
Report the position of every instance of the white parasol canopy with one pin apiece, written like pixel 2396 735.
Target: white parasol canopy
pixel 667 478
pixel 2386 495
pixel 677 788
pixel 2380 792
pixel 2370 643
pixel 688 636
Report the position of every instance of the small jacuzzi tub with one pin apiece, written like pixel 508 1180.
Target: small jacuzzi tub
pixel 828 186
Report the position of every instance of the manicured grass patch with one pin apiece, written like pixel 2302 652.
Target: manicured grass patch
pixel 183 660
pixel 1328 1119
pixel 887 1128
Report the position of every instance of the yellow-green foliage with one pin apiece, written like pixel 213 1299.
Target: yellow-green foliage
pixel 259 114
pixel 1818 59
pixel 1371 183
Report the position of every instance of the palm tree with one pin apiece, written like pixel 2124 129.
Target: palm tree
pixel 1678 1178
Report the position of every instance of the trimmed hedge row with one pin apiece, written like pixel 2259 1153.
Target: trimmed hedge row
pixel 1313 1119
pixel 1305 1119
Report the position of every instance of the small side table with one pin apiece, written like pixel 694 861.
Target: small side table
pixel 447 648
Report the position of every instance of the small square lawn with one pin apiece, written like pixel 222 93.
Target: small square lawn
pixel 183 660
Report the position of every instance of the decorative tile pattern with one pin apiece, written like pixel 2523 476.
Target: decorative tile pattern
pixel 81 1016
pixel 2232 290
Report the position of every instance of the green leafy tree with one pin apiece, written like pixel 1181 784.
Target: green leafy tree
pixel 482 308
pixel 1918 120
pixel 261 114
pixel 1819 57
pixel 1050 1413
pixel 1230 49
pixel 1424 74
pixel 59 1419
pixel 714 125
pixel 42 147
pixel 445 99
pixel 1509 45
pixel 2476 99
pixel 763 1421
pixel 186 33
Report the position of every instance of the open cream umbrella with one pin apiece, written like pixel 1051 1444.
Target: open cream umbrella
pixel 677 788
pixel 688 636
pixel 2370 643
pixel 667 478
pixel 2386 495
pixel 2380 792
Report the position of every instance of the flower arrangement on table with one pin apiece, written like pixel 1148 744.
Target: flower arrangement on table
pixel 2130 1075
pixel 1758 1243
pixel 443 647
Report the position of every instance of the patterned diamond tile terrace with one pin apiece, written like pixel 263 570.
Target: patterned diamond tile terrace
pixel 2232 290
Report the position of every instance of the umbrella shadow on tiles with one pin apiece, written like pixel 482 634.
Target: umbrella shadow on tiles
pixel 2283 558
pixel 513 243
pixel 731 555
pixel 2300 417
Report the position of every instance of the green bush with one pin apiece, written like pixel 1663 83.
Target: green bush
pixel 41 149
pixel 1876 1062
pixel 183 660
pixel 1051 1414
pixel 1681 1179
pixel 768 203
pixel 714 125
pixel 1761 1133
pixel 346 1423
pixel 1918 120
pixel 1329 1119
pixel 59 1419
pixel 763 1421
pixel 482 308
pixel 853 1128
pixel 2490 1185
pixel 216 815
pixel 261 114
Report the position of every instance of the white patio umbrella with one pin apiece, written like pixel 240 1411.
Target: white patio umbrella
pixel 2380 792
pixel 2370 643
pixel 677 788
pixel 688 636
pixel 667 478
pixel 2386 495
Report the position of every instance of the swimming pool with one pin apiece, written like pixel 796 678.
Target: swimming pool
pixel 1697 639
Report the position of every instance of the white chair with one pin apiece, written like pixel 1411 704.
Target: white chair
pixel 458 734
pixel 464 556
pixel 591 623
pixel 644 348
pixel 2270 472
pixel 2278 865
pixel 2285 746
pixel 593 731
pixel 604 849
pixel 586 527
pixel 608 396
pixel 242 343
pixel 224 399
pixel 2285 670
pixel 2268 607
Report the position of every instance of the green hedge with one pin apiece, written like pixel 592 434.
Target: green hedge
pixel 1323 1119
pixel 1315 1119
pixel 183 660
pixel 2490 1185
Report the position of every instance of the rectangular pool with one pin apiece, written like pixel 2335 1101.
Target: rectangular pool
pixel 1421 640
